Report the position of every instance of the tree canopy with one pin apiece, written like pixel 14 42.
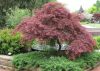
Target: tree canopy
pixel 54 22
pixel 95 8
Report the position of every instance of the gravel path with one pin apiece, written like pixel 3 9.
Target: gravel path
pixel 3 69
pixel 96 69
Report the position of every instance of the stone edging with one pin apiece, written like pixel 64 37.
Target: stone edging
pixel 6 63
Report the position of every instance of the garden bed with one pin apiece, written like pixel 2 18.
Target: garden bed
pixel 49 61
pixel 43 61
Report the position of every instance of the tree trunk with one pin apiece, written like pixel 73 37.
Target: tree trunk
pixel 59 44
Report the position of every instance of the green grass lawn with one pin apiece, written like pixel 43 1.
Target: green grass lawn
pixel 91 24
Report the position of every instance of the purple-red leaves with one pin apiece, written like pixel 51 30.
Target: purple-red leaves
pixel 96 17
pixel 54 21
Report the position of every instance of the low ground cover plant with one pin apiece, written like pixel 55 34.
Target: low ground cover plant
pixel 48 61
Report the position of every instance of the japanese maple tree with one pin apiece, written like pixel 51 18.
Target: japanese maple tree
pixel 54 22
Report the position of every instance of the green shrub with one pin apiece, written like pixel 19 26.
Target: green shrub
pixel 97 38
pixel 16 15
pixel 9 43
pixel 50 62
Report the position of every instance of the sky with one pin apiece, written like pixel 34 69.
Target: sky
pixel 74 5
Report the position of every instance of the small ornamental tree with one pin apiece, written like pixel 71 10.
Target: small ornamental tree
pixel 55 23
pixel 96 17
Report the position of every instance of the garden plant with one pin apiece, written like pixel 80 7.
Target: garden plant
pixel 47 37
pixel 6 5
pixel 54 23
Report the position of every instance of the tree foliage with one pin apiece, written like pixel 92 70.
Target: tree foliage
pixel 96 17
pixel 15 16
pixel 95 8
pixel 55 22
pixel 30 4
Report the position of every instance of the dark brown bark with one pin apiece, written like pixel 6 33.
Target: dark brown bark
pixel 58 42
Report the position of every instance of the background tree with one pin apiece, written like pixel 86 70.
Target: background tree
pixel 95 8
pixel 29 4
pixel 96 17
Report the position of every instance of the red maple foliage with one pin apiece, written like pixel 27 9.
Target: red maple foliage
pixel 53 21
pixel 96 17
